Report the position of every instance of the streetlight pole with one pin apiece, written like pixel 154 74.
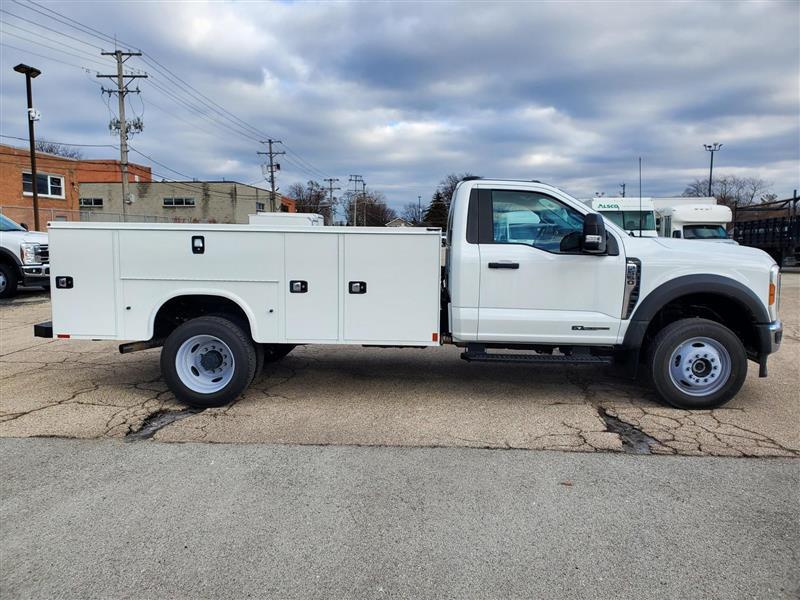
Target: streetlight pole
pixel 31 73
pixel 711 148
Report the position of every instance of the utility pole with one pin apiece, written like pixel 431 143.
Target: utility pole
pixel 364 199
pixel 273 166
pixel 355 180
pixel 622 185
pixel 419 210
pixel 122 91
pixel 31 73
pixel 711 148
pixel 331 199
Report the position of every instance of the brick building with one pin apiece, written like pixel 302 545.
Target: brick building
pixel 58 183
pixel 77 189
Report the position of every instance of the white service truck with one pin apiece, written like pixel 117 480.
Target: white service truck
pixel 532 275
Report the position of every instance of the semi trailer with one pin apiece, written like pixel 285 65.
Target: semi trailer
pixel 530 275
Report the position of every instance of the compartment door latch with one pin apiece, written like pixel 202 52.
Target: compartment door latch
pixel 357 287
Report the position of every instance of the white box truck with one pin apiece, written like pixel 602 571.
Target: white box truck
pixel 532 275
pixel 696 222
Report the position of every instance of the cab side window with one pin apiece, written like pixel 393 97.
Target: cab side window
pixel 533 219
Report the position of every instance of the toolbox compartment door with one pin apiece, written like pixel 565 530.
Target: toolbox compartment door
pixel 86 309
pixel 400 302
pixel 312 310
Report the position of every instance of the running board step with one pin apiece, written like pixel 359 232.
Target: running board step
pixel 575 359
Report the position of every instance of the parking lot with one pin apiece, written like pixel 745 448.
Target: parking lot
pixel 365 396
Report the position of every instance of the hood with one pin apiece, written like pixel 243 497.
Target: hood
pixel 36 237
pixel 696 252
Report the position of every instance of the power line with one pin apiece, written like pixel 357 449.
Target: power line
pixel 62 51
pixel 217 111
pixel 14 137
pixel 47 28
pixel 45 56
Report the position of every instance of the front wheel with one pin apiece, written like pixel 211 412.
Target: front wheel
pixel 208 361
pixel 697 364
pixel 8 281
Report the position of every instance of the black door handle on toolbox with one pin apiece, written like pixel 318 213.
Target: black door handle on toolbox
pixel 503 265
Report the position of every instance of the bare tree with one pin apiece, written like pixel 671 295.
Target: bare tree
pixel 59 149
pixel 412 212
pixel 368 209
pixel 731 190
pixel 311 198
pixel 448 185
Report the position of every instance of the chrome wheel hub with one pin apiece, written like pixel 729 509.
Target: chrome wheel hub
pixel 700 366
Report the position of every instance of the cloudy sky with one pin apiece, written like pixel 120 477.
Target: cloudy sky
pixel 403 93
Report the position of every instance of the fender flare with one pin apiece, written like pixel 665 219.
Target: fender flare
pixel 684 286
pixel 7 255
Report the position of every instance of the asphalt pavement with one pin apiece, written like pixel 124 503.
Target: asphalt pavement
pixel 114 519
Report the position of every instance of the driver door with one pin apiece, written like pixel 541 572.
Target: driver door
pixel 533 287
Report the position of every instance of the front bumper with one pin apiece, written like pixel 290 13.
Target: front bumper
pixel 770 336
pixel 36 274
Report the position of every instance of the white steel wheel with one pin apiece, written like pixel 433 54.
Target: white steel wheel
pixel 700 366
pixel 205 364
pixel 696 363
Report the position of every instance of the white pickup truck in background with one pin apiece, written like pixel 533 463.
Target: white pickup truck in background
pixel 24 257
pixel 531 276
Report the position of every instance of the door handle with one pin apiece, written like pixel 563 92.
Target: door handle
pixel 503 265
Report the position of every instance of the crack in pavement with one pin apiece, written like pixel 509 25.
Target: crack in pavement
pixel 156 421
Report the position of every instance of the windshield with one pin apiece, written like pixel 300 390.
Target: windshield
pixel 7 224
pixel 629 219
pixel 704 232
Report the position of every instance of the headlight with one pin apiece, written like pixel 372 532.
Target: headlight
pixel 774 291
pixel 30 253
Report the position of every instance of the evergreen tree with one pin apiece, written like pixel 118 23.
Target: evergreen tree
pixel 436 213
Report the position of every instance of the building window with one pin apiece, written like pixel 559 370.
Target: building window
pixel 173 202
pixel 91 202
pixel 260 206
pixel 46 185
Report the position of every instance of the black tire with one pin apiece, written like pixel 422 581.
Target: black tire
pixel 240 345
pixel 275 352
pixel 660 360
pixel 11 280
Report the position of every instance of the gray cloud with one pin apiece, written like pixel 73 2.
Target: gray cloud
pixel 404 93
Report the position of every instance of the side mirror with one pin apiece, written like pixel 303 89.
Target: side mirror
pixel 676 234
pixel 594 234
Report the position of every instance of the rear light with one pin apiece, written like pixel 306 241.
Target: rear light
pixel 63 336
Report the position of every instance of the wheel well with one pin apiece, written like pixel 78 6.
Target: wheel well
pixel 183 308
pixel 724 310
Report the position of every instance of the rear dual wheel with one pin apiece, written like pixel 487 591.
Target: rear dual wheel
pixel 208 361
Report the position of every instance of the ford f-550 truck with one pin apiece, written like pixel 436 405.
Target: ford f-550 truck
pixel 531 275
